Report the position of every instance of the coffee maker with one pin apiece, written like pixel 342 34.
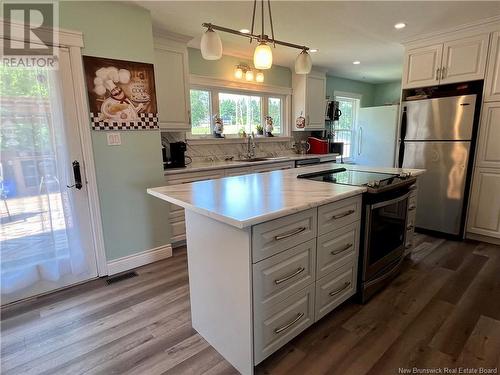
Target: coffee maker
pixel 177 158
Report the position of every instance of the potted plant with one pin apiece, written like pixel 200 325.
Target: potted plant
pixel 260 130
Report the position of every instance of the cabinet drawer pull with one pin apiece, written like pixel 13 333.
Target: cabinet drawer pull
pixel 411 207
pixel 288 325
pixel 346 247
pixel 289 234
pixel 343 214
pixel 283 279
pixel 409 227
pixel 341 289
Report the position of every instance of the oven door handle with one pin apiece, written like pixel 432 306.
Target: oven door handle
pixel 387 274
pixel 389 202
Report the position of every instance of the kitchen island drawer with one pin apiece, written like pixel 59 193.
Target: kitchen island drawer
pixel 337 248
pixel 283 274
pixel 274 236
pixel 338 214
pixel 282 322
pixel 335 288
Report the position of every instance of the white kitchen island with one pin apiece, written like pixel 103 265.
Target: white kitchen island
pixel 268 255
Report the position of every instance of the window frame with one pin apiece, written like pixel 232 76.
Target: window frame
pixel 356 99
pixel 264 96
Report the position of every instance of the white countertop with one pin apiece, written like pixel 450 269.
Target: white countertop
pixel 199 166
pixel 242 201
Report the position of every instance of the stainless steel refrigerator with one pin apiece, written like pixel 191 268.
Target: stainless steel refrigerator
pixel 436 135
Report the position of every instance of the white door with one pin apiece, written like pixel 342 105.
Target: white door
pixel 492 82
pixel 484 211
pixel 376 136
pixel 315 96
pixel 421 66
pixel 46 235
pixel 464 59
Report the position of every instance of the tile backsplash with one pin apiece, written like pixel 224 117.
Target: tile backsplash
pixel 225 149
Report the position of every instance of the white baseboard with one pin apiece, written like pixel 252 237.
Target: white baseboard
pixel 139 259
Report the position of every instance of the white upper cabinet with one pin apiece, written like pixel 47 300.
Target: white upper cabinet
pixel 172 85
pixel 464 59
pixel 421 66
pixel 492 83
pixel 309 93
pixel 457 60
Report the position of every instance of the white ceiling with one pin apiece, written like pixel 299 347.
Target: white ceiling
pixel 343 31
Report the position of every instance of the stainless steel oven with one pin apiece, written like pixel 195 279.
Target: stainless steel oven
pixel 383 238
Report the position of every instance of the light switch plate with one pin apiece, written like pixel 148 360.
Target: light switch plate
pixel 114 139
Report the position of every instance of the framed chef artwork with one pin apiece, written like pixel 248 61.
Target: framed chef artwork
pixel 121 94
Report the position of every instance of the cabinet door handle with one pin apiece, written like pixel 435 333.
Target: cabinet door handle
pixel 341 289
pixel 343 214
pixel 413 187
pixel 307 117
pixel 189 117
pixel 288 325
pixel 411 207
pixel 437 74
pixel 409 227
pixel 289 234
pixel 345 248
pixel 443 72
pixel 283 279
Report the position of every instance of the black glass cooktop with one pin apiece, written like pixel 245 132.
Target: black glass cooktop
pixel 356 178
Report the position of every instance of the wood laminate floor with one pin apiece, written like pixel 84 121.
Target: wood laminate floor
pixel 442 311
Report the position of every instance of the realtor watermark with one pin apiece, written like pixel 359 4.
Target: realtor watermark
pixel 448 370
pixel 30 33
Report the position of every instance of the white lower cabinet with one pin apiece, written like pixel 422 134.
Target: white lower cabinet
pixel 335 288
pixel 302 270
pixel 484 209
pixel 282 322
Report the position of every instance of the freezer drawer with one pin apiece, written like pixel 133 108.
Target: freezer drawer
pixel 449 118
pixel 441 188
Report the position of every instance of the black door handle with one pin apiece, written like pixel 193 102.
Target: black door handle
pixel 77 176
pixel 402 139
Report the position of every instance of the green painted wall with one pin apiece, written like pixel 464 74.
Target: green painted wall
pixel 348 85
pixel 387 93
pixel 132 221
pixel 224 68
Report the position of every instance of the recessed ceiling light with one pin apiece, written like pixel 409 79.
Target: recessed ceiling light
pixel 356 62
pixel 313 50
pixel 244 31
pixel 400 25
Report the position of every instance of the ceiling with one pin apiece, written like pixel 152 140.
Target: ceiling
pixel 343 31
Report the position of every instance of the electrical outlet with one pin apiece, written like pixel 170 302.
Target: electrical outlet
pixel 114 139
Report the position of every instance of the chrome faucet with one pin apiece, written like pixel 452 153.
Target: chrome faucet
pixel 251 146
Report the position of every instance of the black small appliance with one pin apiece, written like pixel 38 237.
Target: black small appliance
pixel 177 157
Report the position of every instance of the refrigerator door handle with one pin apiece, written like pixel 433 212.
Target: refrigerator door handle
pixel 360 140
pixel 402 138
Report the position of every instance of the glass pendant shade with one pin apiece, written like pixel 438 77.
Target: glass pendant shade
pixel 303 63
pixel 263 56
pixel 238 73
pixel 211 45
pixel 249 75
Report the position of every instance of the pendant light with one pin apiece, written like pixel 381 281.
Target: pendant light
pixel 211 45
pixel 263 56
pixel 303 63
